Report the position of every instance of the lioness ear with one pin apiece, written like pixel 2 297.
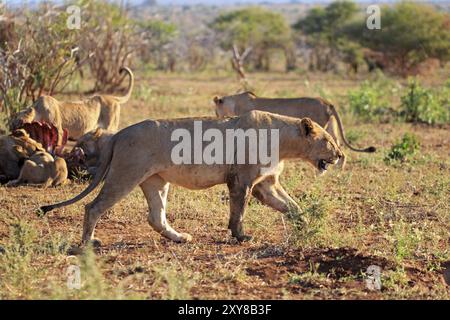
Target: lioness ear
pixel 218 100
pixel 251 94
pixel 98 132
pixel 20 152
pixel 307 126
pixel 20 133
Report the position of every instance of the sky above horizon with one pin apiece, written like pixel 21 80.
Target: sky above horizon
pixel 223 2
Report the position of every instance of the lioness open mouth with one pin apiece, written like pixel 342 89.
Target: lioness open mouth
pixel 323 165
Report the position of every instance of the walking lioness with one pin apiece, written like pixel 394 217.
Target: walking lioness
pixel 317 109
pixel 142 154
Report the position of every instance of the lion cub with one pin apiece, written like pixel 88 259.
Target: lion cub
pixel 42 169
pixel 14 150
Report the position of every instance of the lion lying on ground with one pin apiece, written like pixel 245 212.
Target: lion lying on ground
pixel 141 155
pixel 317 109
pixel 78 117
pixel 14 150
pixel 42 169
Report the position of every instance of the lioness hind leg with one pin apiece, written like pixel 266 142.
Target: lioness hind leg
pixel 271 193
pixel 333 129
pixel 292 205
pixel 111 193
pixel 267 194
pixel 155 190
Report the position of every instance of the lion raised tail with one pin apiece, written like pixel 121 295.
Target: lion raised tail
pixel 127 96
pixel 105 160
pixel 341 131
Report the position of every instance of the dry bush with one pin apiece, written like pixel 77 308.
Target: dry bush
pixel 36 56
pixel 109 39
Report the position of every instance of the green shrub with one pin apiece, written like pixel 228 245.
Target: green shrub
pixel 308 222
pixel 424 105
pixel 412 33
pixel 407 240
pixel 403 149
pixel 177 283
pixel 17 276
pixel 370 101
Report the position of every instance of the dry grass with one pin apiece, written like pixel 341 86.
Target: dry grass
pixel 393 216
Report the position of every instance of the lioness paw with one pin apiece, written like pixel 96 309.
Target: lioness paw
pixel 243 238
pixel 184 237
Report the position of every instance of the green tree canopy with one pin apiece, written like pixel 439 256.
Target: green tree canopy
pixel 410 33
pixel 158 32
pixel 323 30
pixel 328 21
pixel 156 35
pixel 252 27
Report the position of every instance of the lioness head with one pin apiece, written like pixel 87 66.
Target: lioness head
pixel 321 149
pixel 20 118
pixel 92 144
pixel 89 143
pixel 20 133
pixel 226 106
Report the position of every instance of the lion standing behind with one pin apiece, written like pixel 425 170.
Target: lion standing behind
pixel 78 117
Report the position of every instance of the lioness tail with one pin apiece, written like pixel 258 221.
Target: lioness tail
pixel 126 97
pixel 341 130
pixel 105 160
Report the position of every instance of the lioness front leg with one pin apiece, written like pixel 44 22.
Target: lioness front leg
pixel 239 195
pixel 271 193
pixel 155 190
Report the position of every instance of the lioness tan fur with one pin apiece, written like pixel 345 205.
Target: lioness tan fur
pixel 92 144
pixel 317 109
pixel 42 169
pixel 78 117
pixel 14 150
pixel 140 155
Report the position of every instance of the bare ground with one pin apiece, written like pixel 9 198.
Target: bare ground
pixel 392 216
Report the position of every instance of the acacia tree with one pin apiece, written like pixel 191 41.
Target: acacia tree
pixel 322 29
pixel 255 28
pixel 155 46
pixel 410 33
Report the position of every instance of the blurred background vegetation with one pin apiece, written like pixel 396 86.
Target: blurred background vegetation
pixel 390 208
pixel 39 54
